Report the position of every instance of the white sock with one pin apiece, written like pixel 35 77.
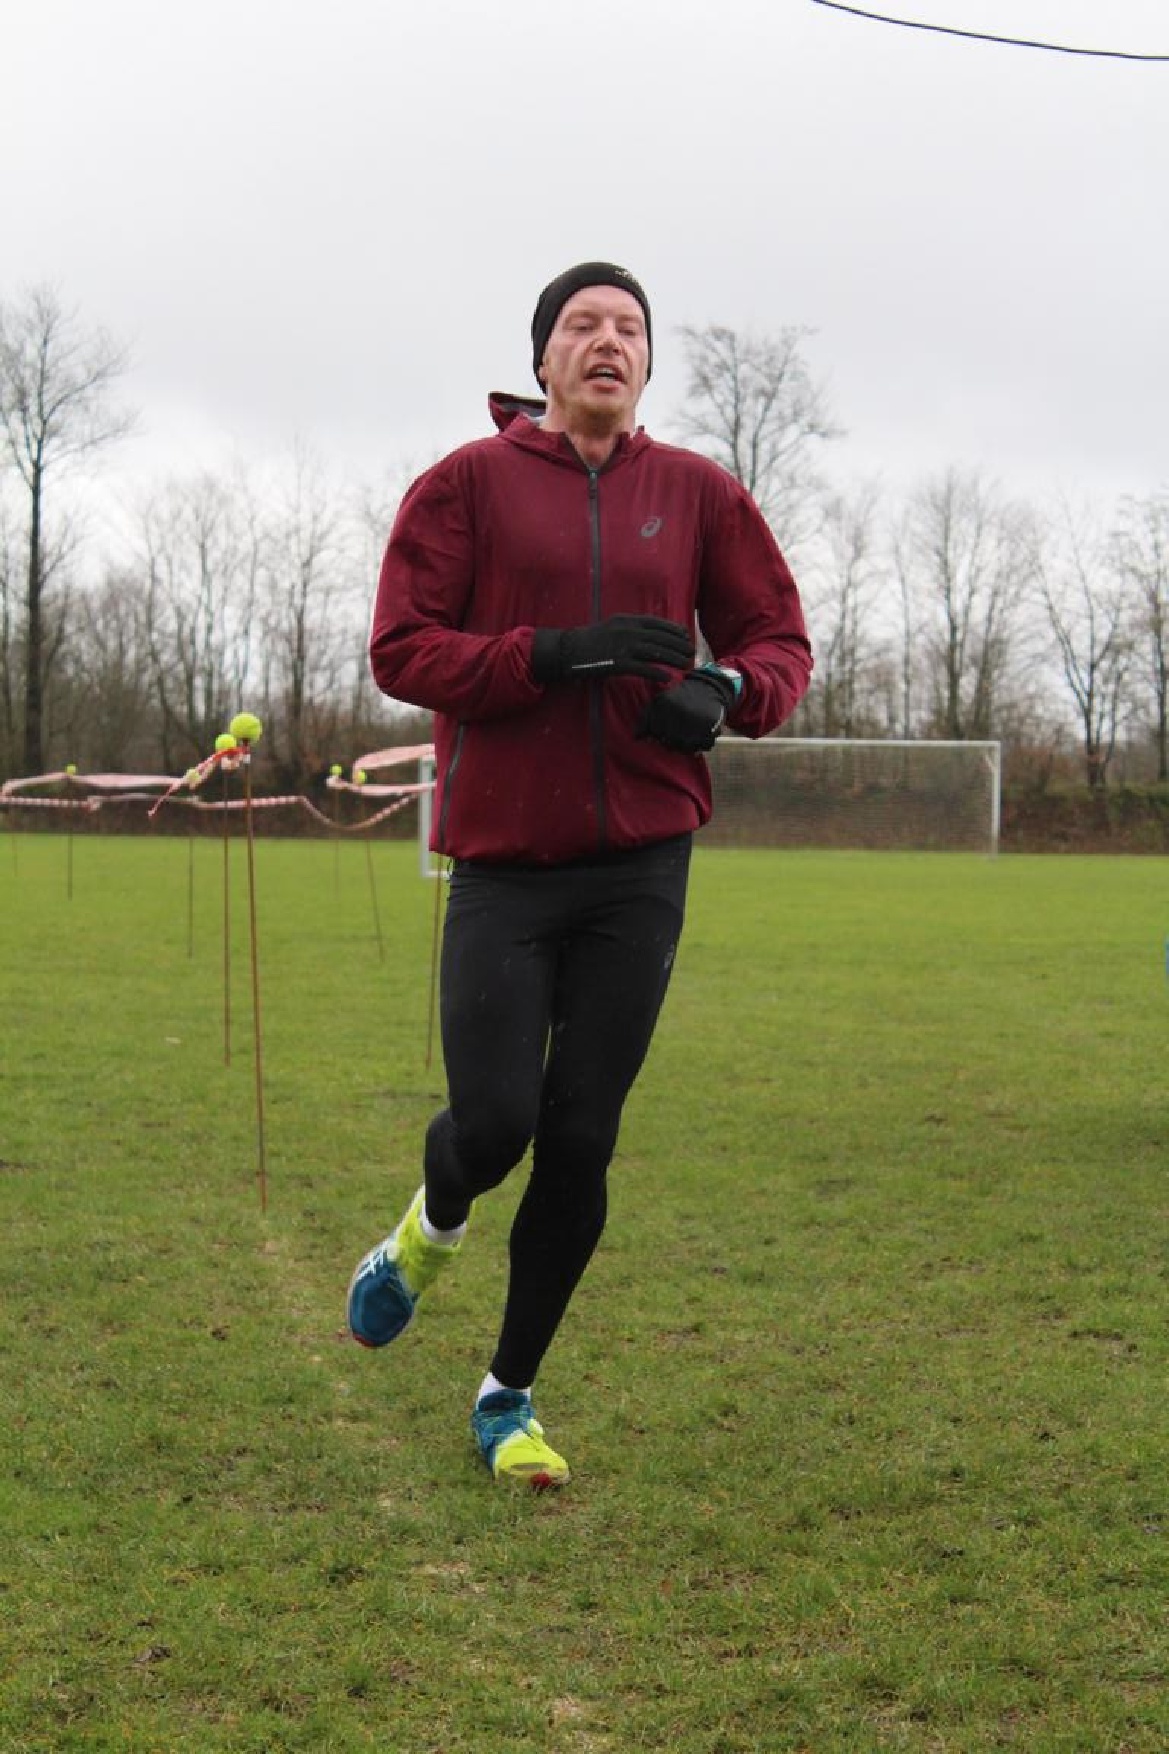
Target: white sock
pixel 491 1385
pixel 447 1238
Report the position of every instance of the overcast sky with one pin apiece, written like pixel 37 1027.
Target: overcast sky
pixel 333 220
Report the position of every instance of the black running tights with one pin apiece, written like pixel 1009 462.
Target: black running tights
pixel 550 988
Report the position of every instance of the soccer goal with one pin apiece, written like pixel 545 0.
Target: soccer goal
pixel 908 794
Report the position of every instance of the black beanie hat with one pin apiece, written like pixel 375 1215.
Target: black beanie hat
pixel 558 292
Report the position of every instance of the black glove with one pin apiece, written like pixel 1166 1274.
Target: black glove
pixel 690 715
pixel 625 645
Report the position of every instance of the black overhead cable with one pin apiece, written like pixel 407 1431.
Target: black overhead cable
pixel 980 36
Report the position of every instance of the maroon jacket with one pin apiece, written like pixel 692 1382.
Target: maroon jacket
pixel 515 532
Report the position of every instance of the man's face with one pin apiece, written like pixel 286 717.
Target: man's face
pixel 597 358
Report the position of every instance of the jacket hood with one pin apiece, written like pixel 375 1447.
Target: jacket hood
pixel 504 407
pixel 518 418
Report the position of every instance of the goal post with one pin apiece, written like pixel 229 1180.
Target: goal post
pixel 428 866
pixel 911 794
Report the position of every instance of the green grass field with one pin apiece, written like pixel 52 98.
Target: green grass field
pixel 864 1393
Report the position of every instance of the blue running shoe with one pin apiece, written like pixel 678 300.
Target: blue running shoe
pixel 389 1280
pixel 510 1439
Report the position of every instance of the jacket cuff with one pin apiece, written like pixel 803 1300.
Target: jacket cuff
pixel 545 661
pixel 721 682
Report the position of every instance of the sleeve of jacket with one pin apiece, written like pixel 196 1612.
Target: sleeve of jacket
pixel 749 609
pixel 421 648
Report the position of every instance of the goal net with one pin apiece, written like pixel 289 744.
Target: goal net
pixel 843 792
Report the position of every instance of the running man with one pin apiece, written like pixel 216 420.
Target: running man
pixel 541 594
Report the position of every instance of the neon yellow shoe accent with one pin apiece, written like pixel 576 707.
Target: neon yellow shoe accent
pixel 511 1441
pixel 419 1260
pixel 389 1280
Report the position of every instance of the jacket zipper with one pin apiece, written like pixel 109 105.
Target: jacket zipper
pixel 596 704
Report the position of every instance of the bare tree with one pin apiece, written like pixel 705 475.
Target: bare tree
pixel 307 616
pixel 11 657
pixel 1085 597
pixel 965 555
pixel 114 714
pixel 907 628
pixel 250 595
pixel 1142 552
pixel 375 506
pixel 840 589
pixel 56 380
pixel 200 560
pixel 754 406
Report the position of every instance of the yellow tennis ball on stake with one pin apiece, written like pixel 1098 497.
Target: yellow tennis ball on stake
pixel 336 770
pixel 361 776
pixel 246 728
pixel 71 769
pixel 224 742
